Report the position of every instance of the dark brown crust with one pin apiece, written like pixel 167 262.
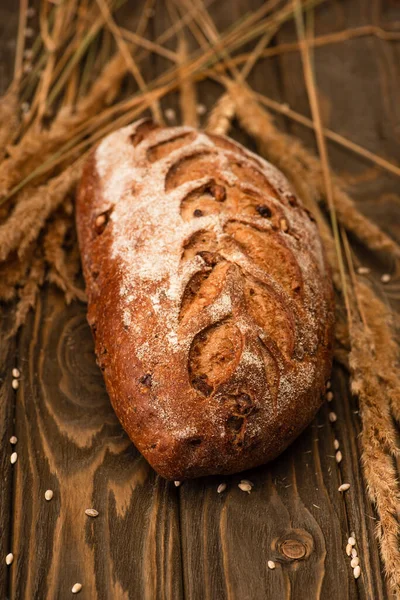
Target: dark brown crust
pixel 223 374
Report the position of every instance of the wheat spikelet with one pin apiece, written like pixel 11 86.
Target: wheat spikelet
pixel 28 293
pixel 57 260
pixel 381 324
pixel 9 121
pixel 378 443
pixel 33 209
pixel 366 384
pixel 12 274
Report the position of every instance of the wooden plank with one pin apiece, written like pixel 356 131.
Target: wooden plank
pixel 7 406
pixel 70 442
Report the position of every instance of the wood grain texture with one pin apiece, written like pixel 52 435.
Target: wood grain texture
pixel 71 442
pixel 7 470
pixel 152 540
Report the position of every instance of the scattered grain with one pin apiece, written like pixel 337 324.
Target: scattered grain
pixel 246 481
pixel 354 553
pixel 386 278
pixel 221 488
pixel 30 12
pixel 363 270
pixel 76 588
pixel 328 384
pixel 344 487
pixel 329 396
pixel 336 444
pixel 91 512
pixel 29 32
pixel 348 549
pixel 245 487
pixel 351 541
pixel 48 494
pixel 9 558
pixel 170 114
pixel 16 373
pixel 355 562
pixel 201 109
pixel 177 483
pixel 332 417
pixel 271 564
pixel 357 572
pixel 13 458
pixel 15 384
pixel 338 457
pixel 13 440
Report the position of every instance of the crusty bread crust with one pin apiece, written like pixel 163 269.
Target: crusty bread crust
pixel 210 300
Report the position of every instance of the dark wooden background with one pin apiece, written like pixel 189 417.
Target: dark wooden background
pixel 152 540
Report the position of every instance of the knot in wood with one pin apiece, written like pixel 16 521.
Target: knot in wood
pixel 293 549
pixel 294 545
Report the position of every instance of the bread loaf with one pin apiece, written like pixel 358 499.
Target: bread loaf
pixel 210 300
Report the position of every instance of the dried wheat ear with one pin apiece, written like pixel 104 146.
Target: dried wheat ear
pixel 208 295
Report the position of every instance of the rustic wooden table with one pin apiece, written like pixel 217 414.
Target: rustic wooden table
pixel 152 540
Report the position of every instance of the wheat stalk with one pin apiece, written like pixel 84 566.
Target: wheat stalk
pixel 187 87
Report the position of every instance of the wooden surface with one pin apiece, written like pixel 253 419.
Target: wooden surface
pixel 152 540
